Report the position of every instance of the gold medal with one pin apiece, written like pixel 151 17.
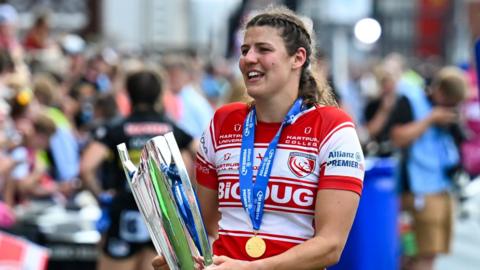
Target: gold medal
pixel 255 247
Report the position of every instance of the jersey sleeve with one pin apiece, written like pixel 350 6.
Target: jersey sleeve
pixel 342 160
pixel 205 170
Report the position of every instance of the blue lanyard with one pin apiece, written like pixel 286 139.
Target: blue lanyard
pixel 253 195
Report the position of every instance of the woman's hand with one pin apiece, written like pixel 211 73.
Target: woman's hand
pixel 159 263
pixel 226 263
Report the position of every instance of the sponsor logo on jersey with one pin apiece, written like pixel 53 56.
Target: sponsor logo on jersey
pixel 202 168
pixel 138 129
pixel 303 140
pixel 276 193
pixel 301 164
pixel 344 159
pixel 232 166
pixel 204 146
pixel 229 138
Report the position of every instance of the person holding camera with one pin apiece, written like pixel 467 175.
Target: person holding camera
pixel 425 128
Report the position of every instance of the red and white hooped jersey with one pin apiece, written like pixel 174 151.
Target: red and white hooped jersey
pixel 319 150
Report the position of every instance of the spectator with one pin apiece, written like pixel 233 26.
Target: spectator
pixel 424 127
pixel 37 37
pixel 377 114
pixel 63 146
pixel 126 243
pixel 31 175
pixel 185 105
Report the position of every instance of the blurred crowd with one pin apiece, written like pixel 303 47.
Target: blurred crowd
pixel 56 90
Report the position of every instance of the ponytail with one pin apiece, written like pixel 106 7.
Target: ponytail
pixel 315 91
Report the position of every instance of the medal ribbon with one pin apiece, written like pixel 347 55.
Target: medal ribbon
pixel 252 194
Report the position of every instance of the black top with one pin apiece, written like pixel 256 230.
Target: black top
pixel 383 146
pixel 402 114
pixel 135 131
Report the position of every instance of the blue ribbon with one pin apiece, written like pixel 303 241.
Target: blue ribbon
pixel 477 60
pixel 252 194
pixel 182 202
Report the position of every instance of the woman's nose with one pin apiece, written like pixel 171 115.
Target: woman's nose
pixel 250 56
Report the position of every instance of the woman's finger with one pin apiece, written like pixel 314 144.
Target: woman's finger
pixel 159 263
pixel 199 259
pixel 220 259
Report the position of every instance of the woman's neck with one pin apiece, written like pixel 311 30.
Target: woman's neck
pixel 273 111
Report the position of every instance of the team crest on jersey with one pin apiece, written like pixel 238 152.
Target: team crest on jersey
pixel 237 127
pixel 301 164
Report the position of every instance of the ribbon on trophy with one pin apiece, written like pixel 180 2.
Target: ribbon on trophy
pixel 165 196
pixel 180 198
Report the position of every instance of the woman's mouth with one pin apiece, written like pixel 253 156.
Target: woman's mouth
pixel 254 76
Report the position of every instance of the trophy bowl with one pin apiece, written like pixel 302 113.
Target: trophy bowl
pixel 167 201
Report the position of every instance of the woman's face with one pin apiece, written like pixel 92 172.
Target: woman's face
pixel 264 62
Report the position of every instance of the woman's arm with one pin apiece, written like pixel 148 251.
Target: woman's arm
pixel 403 135
pixel 92 157
pixel 208 200
pixel 379 121
pixel 334 214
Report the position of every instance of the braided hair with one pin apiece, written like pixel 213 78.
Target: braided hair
pixel 295 35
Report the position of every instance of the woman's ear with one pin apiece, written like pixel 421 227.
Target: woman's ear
pixel 299 58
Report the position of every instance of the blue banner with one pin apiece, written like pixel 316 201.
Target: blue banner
pixel 477 63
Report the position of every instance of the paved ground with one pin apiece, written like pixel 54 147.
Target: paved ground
pixel 466 243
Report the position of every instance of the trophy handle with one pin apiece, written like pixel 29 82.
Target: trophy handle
pixel 128 166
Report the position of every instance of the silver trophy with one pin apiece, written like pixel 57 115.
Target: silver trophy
pixel 165 196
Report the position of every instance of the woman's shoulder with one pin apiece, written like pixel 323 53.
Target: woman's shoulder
pixel 231 108
pixel 230 113
pixel 333 113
